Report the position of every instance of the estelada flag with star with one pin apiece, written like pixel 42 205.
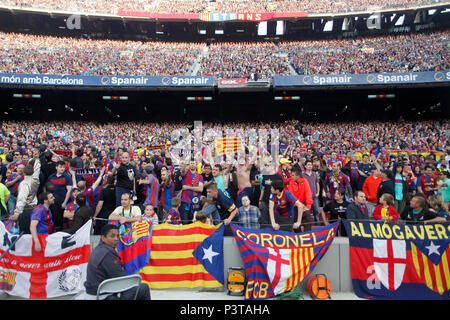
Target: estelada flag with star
pixel 395 261
pixel 185 256
pixel 277 261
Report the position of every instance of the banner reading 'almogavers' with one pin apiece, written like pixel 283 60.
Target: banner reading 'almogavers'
pixel 396 261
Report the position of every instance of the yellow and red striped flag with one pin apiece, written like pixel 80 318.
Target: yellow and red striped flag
pixel 172 261
pixel 436 276
pixel 228 144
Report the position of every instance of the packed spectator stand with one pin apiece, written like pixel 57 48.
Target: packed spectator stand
pixel 40 54
pixel 417 145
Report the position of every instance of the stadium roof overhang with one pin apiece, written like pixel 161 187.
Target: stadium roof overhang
pixel 230 17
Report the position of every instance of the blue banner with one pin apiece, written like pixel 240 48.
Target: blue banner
pixel 362 79
pixel 105 81
pixel 396 261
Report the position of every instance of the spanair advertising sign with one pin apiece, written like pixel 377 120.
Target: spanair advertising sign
pixel 362 79
pixel 105 81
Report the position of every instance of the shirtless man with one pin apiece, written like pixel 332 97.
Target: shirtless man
pixel 243 181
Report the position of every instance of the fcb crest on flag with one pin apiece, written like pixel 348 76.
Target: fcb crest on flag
pixel 134 245
pixel 393 261
pixel 276 261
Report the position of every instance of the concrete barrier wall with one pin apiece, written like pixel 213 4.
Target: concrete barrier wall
pixel 335 264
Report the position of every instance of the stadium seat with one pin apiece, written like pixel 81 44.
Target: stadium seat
pixel 119 284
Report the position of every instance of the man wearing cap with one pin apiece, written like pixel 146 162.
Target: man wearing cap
pixel 284 170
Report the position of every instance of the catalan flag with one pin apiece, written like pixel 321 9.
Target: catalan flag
pixel 276 261
pixel 185 256
pixel 227 145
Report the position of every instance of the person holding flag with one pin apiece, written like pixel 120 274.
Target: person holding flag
pixel 281 208
pixel 191 190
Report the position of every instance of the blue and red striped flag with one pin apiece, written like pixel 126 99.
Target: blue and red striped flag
pixel 276 261
pixel 9 224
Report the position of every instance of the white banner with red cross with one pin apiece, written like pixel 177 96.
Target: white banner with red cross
pixel 58 269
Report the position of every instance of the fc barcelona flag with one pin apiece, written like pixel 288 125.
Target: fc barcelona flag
pixel 134 245
pixel 277 261
pixel 394 261
pixel 228 145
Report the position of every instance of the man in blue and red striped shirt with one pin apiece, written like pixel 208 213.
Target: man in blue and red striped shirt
pixel 426 183
pixel 173 216
pixel 335 180
pixel 352 170
pixel 151 185
pixel 41 222
pixel 191 190
pixel 167 190
pixel 281 208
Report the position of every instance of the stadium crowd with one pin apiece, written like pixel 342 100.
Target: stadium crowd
pixel 402 53
pixel 191 6
pixel 132 171
pixel 22 53
pixel 37 54
pixel 240 60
